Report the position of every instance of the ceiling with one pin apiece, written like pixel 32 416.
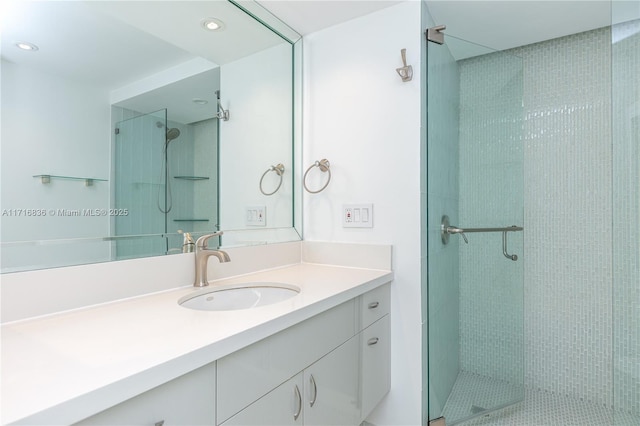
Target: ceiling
pixel 503 25
pixel 138 39
pixel 114 45
pixel 178 98
pixel 308 16
pixel 496 24
pixel 135 39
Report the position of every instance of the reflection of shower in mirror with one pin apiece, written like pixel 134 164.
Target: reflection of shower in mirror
pixel 172 133
pixel 222 114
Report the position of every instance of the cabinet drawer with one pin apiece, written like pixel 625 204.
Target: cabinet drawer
pixel 374 305
pixel 187 400
pixel 250 373
pixel 375 367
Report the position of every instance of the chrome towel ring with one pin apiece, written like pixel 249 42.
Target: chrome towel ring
pixel 324 167
pixel 279 169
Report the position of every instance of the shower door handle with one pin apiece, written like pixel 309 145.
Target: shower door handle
pixel 454 230
pixel 513 257
pixel 446 229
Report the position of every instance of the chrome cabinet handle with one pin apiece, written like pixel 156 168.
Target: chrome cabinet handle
pixel 299 401
pixel 315 390
pixel 372 341
pixel 373 305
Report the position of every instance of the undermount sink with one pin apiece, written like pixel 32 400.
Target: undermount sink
pixel 238 296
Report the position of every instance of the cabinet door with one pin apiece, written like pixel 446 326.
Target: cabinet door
pixel 187 400
pixel 375 347
pixel 331 387
pixel 283 406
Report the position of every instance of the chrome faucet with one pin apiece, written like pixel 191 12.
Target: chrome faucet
pixel 203 252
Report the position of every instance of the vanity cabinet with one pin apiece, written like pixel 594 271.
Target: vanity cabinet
pixel 341 386
pixel 187 400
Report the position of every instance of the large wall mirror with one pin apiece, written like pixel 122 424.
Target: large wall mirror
pixel 126 124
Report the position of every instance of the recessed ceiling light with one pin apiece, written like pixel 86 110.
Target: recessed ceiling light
pixel 26 46
pixel 199 101
pixel 212 24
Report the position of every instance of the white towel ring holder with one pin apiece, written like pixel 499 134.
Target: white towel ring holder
pixel 325 167
pixel 279 169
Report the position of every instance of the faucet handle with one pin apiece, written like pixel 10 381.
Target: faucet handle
pixel 203 241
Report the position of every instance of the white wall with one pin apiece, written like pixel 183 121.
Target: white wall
pixel 252 92
pixel 52 125
pixel 366 122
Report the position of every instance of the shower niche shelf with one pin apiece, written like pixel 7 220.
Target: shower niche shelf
pixel 45 179
pixel 192 178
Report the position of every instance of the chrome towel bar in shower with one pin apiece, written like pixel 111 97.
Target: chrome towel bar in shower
pixel 446 230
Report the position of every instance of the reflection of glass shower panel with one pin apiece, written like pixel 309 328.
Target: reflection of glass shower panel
pixel 206 191
pixel 626 220
pixel 475 176
pixel 140 184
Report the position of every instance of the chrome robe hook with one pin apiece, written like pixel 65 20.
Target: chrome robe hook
pixel 405 71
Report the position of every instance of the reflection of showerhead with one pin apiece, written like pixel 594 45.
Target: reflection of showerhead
pixel 172 134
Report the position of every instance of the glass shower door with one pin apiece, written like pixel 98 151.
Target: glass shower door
pixel 474 286
pixel 140 184
pixel 625 62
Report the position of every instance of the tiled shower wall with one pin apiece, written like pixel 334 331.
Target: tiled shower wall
pixel 567 142
pixel 566 137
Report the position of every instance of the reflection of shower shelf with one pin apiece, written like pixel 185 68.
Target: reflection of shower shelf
pixel 87 181
pixel 148 183
pixel 192 177
pixel 191 220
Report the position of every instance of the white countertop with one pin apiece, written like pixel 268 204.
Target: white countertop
pixel 62 368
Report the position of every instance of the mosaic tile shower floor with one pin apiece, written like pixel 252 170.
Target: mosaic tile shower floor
pixel 539 408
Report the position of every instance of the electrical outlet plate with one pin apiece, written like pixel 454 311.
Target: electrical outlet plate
pixel 256 216
pixel 357 215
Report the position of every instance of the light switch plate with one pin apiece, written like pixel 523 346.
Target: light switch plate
pixel 357 215
pixel 256 216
